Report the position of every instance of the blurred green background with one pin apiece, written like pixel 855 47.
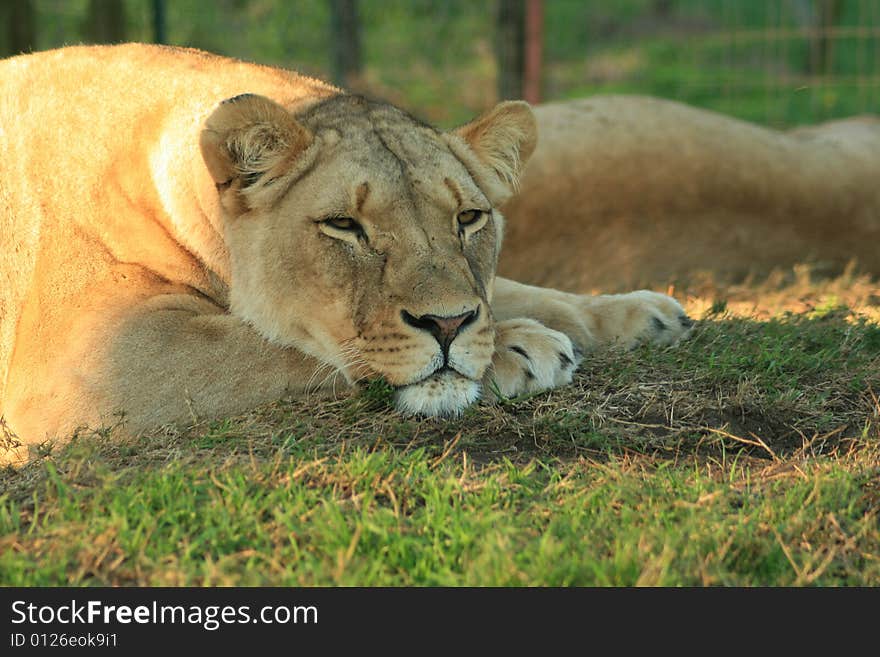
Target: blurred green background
pixel 777 62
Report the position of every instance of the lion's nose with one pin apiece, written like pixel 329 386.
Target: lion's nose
pixel 444 329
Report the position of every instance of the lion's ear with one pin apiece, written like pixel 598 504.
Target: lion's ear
pixel 502 139
pixel 249 144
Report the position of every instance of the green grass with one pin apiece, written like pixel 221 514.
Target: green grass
pixel 749 456
pixel 391 517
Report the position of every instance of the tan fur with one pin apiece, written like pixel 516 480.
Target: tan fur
pixel 625 191
pixel 172 249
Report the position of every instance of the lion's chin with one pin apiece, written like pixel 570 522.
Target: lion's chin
pixel 444 394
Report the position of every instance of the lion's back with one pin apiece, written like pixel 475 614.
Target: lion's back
pixel 649 191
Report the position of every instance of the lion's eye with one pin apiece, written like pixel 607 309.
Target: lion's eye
pixel 470 221
pixel 469 217
pixel 344 223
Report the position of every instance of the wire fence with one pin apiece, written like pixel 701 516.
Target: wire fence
pixel 779 62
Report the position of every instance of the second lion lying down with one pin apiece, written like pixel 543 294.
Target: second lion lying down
pixel 183 234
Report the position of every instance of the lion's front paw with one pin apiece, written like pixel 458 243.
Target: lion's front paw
pixel 529 357
pixel 646 316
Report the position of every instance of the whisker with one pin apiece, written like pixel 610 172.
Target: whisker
pixel 349 358
pixel 320 369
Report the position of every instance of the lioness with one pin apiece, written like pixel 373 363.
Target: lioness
pixel 183 234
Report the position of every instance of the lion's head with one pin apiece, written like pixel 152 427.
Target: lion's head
pixel 367 239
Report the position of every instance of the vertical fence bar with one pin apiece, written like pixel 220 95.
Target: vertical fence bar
pixel 534 47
